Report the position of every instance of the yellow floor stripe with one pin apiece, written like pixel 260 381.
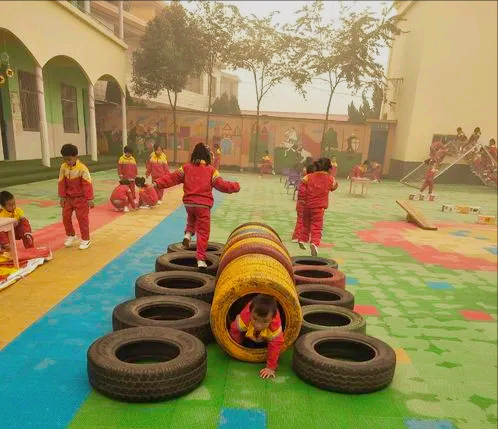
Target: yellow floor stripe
pixel 30 298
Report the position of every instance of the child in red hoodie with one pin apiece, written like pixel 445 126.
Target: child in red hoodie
pixel 316 188
pixel 122 198
pixel 199 178
pixel 147 195
pixel 429 177
pixel 259 324
pixel 301 199
pixel 157 166
pixel 127 168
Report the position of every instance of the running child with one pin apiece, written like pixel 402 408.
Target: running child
pixel 429 177
pixel 147 195
pixel 301 199
pixel 257 325
pixel 199 178
pixel 22 228
pixel 216 156
pixel 157 166
pixel 76 195
pixel 122 198
pixel 317 186
pixel 127 168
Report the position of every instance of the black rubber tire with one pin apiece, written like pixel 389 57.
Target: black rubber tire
pixel 338 374
pixel 314 260
pixel 177 312
pixel 167 262
pixel 316 294
pixel 316 274
pixel 176 283
pixel 112 373
pixel 331 318
pixel 213 247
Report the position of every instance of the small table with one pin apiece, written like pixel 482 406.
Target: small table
pixel 355 181
pixel 7 225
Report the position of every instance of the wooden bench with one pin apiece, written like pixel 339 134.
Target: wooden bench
pixel 416 217
pixel 354 182
pixel 7 225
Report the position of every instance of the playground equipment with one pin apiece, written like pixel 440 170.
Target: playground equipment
pixel 415 216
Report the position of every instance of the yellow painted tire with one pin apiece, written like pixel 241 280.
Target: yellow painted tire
pixel 250 233
pixel 254 227
pixel 255 245
pixel 252 274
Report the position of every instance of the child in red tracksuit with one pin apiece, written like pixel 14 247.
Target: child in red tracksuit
pixel 259 324
pixel 22 228
pixel 301 198
pixel 147 195
pixel 157 166
pixel 316 188
pixel 199 178
pixel 122 198
pixel 127 168
pixel 76 194
pixel 429 177
pixel 358 170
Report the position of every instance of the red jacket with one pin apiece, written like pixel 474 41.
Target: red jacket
pixel 357 171
pixel 301 196
pixel 127 167
pixel 317 187
pixel 198 183
pixel 156 166
pixel 123 193
pixel 431 172
pixel 242 327
pixel 147 196
pixel 75 181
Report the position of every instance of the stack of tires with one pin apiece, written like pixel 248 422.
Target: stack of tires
pixel 166 326
pixel 254 261
pixel 333 351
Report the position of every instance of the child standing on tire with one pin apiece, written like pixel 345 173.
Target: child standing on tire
pixel 316 187
pixel 199 178
pixel 259 324
pixel 76 194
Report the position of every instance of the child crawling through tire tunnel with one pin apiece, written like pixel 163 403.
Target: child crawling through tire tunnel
pixel 257 325
pixel 199 178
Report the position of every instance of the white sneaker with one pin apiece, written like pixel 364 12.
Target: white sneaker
pixel 294 240
pixel 126 209
pixel 201 265
pixel 314 249
pixel 70 240
pixel 159 202
pixel 186 240
pixel 84 244
pixel 302 245
pixel 144 207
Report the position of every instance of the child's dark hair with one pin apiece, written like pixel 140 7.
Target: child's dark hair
pixel 124 182
pixel 323 164
pixel 492 141
pixel 200 153
pixel 140 181
pixel 459 129
pixel 5 196
pixel 263 305
pixel 128 149
pixel 310 168
pixel 157 146
pixel 477 130
pixel 69 150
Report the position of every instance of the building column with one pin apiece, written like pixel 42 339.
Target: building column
pixel 86 6
pixel 45 150
pixel 123 120
pixel 121 20
pixel 93 123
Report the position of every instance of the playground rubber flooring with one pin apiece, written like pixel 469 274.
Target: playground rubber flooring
pixel 431 295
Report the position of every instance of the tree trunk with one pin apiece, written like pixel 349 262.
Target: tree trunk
pixel 210 83
pixel 324 131
pixel 175 140
pixel 256 143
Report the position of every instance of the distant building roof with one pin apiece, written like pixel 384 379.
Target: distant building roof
pixel 294 115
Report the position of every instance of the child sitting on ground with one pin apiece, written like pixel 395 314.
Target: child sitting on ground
pixel 199 178
pixel 122 197
pixel 257 324
pixel 147 195
pixel 22 228
pixel 316 188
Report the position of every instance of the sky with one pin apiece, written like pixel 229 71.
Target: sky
pixel 283 98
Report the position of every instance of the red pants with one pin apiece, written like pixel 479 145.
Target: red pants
pixel 266 168
pixel 80 206
pixel 132 188
pixel 199 222
pixel 299 224
pixel 160 192
pixel 427 183
pixel 312 226
pixel 20 231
